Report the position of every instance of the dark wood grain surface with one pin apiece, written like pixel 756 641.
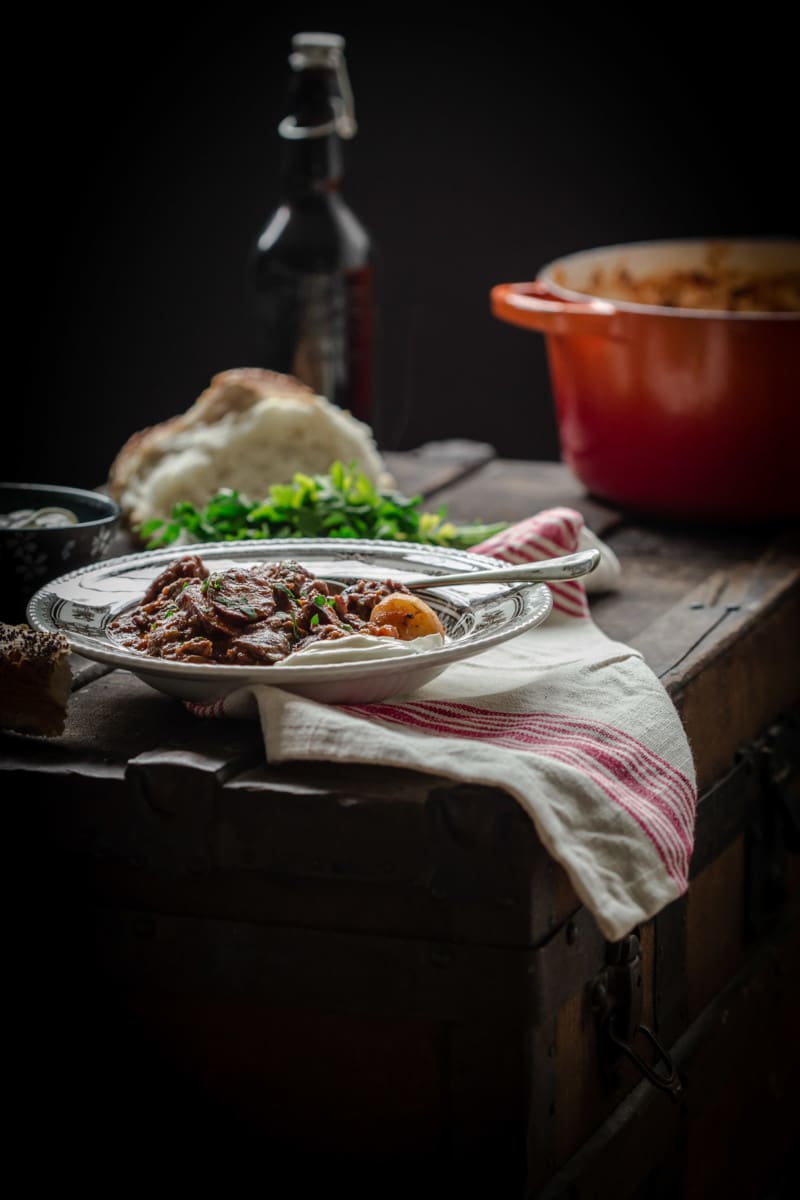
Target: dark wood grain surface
pixel 715 612
pixel 375 963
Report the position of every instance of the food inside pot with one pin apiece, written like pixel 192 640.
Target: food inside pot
pixel 716 287
pixel 259 615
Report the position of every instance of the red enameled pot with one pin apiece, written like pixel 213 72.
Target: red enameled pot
pixel 673 411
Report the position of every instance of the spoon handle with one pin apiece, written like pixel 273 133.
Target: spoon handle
pixel 567 566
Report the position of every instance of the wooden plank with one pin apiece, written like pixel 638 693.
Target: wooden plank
pixel 485 1084
pixel 543 1069
pixel 510 489
pixel 740 683
pixel 729 652
pixel 716 947
pixel 116 717
pixel 484 854
pixel 353 850
pixel 306 970
pixel 661 568
pixel 586 1090
pixel 368 1090
pixel 670 972
pixel 344 846
pixel 437 465
pixel 716 612
pixel 725 811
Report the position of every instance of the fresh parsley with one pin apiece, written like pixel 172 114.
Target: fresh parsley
pixel 342 504
pixel 243 607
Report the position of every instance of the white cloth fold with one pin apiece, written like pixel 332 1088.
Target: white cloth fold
pixel 572 724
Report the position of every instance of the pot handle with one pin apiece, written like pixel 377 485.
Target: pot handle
pixel 532 306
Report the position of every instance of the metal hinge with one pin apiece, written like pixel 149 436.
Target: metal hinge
pixel 616 998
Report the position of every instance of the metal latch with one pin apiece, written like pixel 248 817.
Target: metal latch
pixel 616 998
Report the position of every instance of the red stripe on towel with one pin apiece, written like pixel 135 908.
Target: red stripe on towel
pixel 215 708
pixel 547 535
pixel 652 792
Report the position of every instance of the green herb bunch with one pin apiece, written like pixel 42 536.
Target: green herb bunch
pixel 342 504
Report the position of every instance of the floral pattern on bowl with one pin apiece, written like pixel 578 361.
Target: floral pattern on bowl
pixel 29 557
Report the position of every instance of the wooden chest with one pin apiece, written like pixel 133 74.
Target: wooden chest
pixel 378 980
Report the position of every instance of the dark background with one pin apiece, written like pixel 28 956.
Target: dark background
pixel 146 164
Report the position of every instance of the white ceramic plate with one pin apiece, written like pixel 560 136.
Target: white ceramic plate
pixel 475 616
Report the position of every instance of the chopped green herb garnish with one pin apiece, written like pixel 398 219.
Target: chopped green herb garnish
pixel 341 504
pixel 314 622
pixel 243 606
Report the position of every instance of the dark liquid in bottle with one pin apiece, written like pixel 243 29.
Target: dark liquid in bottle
pixel 314 305
pixel 312 273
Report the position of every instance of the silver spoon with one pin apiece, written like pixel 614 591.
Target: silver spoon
pixel 566 566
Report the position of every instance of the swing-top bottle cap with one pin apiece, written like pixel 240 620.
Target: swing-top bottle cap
pixel 317 50
pixel 327 41
pixel 311 50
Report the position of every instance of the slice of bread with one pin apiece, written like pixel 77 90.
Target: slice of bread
pixel 35 680
pixel 250 429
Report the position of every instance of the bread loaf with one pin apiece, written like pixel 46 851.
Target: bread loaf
pixel 35 680
pixel 248 430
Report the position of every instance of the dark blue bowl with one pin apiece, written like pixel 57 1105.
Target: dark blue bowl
pixel 30 558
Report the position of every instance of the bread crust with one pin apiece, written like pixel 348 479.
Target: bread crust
pixel 35 680
pixel 226 402
pixel 234 390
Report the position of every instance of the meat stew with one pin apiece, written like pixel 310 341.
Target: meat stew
pixel 259 615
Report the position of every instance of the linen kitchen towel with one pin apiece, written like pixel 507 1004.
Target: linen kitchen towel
pixel 574 725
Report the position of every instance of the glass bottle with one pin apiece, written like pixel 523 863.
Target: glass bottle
pixel 311 270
